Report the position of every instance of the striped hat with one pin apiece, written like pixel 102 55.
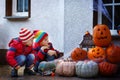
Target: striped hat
pixel 39 36
pixel 25 34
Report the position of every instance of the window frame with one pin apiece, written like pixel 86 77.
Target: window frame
pixel 9 11
pixel 97 16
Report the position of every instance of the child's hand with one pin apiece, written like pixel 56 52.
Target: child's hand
pixel 17 67
pixel 52 52
pixel 31 66
pixel 44 47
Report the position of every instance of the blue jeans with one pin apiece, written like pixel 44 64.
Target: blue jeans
pixel 25 60
pixel 50 58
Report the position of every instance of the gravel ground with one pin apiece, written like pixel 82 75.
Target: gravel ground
pixel 5 75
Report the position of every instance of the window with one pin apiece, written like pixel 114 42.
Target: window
pixel 107 12
pixel 22 5
pixel 17 9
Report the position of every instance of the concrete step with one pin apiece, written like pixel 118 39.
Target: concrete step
pixel 6 69
pixel 3 56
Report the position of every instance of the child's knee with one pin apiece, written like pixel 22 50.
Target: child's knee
pixel 50 58
pixel 21 59
pixel 31 57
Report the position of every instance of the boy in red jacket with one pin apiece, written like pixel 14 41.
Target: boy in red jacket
pixel 20 53
pixel 43 48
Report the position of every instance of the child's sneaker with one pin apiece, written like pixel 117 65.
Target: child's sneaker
pixel 21 71
pixel 29 72
pixel 14 73
pixel 36 70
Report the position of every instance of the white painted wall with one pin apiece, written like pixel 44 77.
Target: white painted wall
pixel 78 19
pixel 66 21
pixel 47 15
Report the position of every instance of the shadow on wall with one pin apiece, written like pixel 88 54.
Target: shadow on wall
pixel 3 56
pixel 4 34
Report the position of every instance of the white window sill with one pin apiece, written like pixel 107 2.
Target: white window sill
pixel 20 14
pixel 114 32
pixel 16 17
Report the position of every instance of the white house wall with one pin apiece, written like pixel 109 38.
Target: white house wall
pixel 47 15
pixel 78 19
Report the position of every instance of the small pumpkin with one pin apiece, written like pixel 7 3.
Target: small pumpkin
pixel 107 69
pixel 65 68
pixel 46 68
pixel 113 53
pixel 86 68
pixel 97 54
pixel 101 35
pixel 78 54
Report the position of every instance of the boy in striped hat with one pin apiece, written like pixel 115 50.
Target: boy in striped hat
pixel 43 48
pixel 20 53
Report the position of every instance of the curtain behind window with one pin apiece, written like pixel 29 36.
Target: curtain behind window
pixel 22 5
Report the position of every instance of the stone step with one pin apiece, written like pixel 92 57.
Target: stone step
pixel 3 56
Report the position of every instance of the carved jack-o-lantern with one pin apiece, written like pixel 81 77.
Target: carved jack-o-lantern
pixel 97 54
pixel 101 35
pixel 78 54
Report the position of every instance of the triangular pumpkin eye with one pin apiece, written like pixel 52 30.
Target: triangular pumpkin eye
pixel 105 29
pixel 81 53
pixel 98 49
pixel 98 29
pixel 93 50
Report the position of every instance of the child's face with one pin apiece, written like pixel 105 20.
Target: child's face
pixel 29 42
pixel 45 42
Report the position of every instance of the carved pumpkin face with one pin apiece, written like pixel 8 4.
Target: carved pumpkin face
pixel 97 54
pixel 78 54
pixel 101 35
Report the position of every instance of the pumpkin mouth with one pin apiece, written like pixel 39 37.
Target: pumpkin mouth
pixel 98 57
pixel 105 37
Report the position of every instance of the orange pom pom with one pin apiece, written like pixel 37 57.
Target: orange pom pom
pixel 52 74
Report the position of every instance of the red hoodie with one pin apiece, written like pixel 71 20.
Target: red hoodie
pixel 16 48
pixel 40 55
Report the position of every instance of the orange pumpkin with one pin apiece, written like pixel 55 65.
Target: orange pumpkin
pixel 113 53
pixel 97 54
pixel 101 35
pixel 107 69
pixel 78 54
